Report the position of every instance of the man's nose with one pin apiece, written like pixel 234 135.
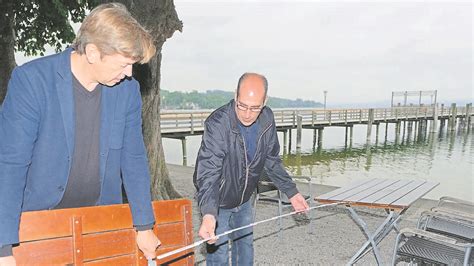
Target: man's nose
pixel 248 113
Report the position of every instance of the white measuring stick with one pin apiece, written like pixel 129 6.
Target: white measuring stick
pixel 195 244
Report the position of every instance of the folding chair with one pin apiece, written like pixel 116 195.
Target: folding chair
pixel 440 238
pixel 419 246
pixel 455 206
pixel 267 191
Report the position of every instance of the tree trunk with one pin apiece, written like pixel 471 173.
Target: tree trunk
pixel 7 46
pixel 161 19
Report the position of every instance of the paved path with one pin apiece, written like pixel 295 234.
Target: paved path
pixel 333 240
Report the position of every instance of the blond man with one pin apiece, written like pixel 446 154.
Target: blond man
pixel 70 129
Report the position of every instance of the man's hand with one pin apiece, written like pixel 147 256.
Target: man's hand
pixel 7 261
pixel 208 228
pixel 148 243
pixel 299 203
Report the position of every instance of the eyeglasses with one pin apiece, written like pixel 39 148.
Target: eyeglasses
pixel 243 107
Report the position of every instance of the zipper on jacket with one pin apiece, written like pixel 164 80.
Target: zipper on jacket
pixel 246 163
pixel 246 170
pixel 222 184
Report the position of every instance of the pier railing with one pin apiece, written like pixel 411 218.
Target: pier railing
pixel 192 121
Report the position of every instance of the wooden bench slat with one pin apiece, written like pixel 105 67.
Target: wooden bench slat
pixel 119 260
pixel 46 252
pixel 171 234
pixel 103 234
pixel 49 224
pixel 109 244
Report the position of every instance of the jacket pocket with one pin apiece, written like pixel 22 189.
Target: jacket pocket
pixel 116 134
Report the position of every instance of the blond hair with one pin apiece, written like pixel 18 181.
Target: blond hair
pixel 113 30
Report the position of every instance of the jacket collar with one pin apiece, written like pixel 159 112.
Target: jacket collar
pixel 65 95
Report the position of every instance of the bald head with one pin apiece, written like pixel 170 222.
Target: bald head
pixel 250 97
pixel 252 78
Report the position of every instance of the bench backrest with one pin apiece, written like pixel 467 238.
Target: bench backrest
pixel 102 235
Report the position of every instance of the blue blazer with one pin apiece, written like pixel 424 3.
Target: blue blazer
pixel 37 143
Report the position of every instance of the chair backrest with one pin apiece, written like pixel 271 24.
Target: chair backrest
pixel 101 235
pixel 446 223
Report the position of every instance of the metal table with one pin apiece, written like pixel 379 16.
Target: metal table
pixel 394 196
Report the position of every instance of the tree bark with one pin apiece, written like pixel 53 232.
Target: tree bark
pixel 161 19
pixel 7 45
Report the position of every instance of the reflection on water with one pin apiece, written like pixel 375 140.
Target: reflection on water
pixel 445 157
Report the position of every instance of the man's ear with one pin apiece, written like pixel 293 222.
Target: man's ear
pixel 265 102
pixel 92 53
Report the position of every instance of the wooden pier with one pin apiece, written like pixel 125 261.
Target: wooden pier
pixel 179 124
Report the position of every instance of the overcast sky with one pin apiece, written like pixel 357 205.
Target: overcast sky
pixel 358 51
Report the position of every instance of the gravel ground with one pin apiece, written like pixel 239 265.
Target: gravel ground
pixel 329 237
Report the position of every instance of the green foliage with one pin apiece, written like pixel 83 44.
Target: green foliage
pixel 212 99
pixel 42 22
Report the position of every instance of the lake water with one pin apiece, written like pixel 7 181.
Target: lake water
pixel 444 156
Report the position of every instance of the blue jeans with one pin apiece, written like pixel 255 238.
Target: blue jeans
pixel 242 240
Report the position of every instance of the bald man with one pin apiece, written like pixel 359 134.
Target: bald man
pixel 239 142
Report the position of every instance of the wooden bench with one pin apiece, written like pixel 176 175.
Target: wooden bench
pixel 101 235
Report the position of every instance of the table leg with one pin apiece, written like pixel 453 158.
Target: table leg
pixel 374 238
pixel 467 255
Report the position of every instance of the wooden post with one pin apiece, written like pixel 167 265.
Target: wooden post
pixel 315 136
pixel 294 118
pixel 351 133
pixel 415 130
pixel 185 155
pixel 434 125
pixel 468 115
pixel 289 140
pixel 420 129
pixel 285 140
pixel 320 137
pixel 377 132
pixel 386 131
pixel 404 129
pixel 370 120
pixel 346 136
pixel 192 123
pixel 409 129
pixel 397 132
pixel 452 119
pixel 299 128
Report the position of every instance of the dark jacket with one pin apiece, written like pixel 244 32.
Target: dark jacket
pixel 223 176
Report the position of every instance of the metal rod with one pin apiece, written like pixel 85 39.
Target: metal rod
pixel 195 244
